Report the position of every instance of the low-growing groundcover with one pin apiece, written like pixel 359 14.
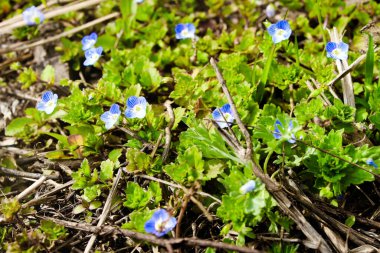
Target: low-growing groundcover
pixel 189 126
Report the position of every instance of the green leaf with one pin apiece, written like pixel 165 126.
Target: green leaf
pixel 137 220
pixel 375 119
pixel 9 207
pixel 18 127
pixel 48 74
pixel 136 196
pixel 209 142
pixel 106 170
pixel 91 192
pixel 128 10
pixel 155 189
pixel 79 209
pixel 137 160
pixel 52 230
pixel 61 138
pixel 27 77
pixel 106 41
pixel 115 154
pixel 350 221
pixel 85 167
pixel 95 205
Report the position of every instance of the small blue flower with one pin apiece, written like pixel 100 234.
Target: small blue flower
pixel 33 16
pixel 48 102
pixel 92 55
pixel 185 31
pixel 280 31
pixel 270 11
pixel 160 224
pixel 372 163
pixel 136 107
pixel 139 1
pixel 337 51
pixel 89 41
pixel 248 187
pixel 224 119
pixel 110 117
pixel 279 128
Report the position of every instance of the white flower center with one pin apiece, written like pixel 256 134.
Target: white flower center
pixel 280 32
pixel 35 18
pixel 114 117
pixel 227 116
pixel 337 52
pixel 50 103
pixel 185 32
pixel 160 225
pixel 138 108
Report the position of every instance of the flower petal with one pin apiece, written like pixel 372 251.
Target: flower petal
pixel 330 46
pixel 132 101
pixel 47 96
pixel 115 109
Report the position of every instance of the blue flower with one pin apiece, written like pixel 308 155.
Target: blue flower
pixel 48 102
pixel 92 55
pixel 33 16
pixel 136 107
pixel 248 187
pixel 160 224
pixel 139 1
pixel 337 51
pixel 371 162
pixel 185 31
pixel 89 41
pixel 270 11
pixel 224 119
pixel 280 31
pixel 279 129
pixel 110 117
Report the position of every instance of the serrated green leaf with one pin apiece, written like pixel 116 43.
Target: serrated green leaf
pixel 106 170
pixel 48 74
pixel 17 126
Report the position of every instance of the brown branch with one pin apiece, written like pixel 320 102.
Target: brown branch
pixel 242 128
pixel 106 209
pixel 175 242
pixel 31 188
pixel 53 13
pixel 17 173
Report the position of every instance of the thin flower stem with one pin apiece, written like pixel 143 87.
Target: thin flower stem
pixel 266 162
pixel 168 128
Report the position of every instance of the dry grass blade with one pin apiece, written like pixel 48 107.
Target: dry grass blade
pixel 50 14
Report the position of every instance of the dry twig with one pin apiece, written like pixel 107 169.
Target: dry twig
pixel 106 209
pixel 175 242
pixel 17 173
